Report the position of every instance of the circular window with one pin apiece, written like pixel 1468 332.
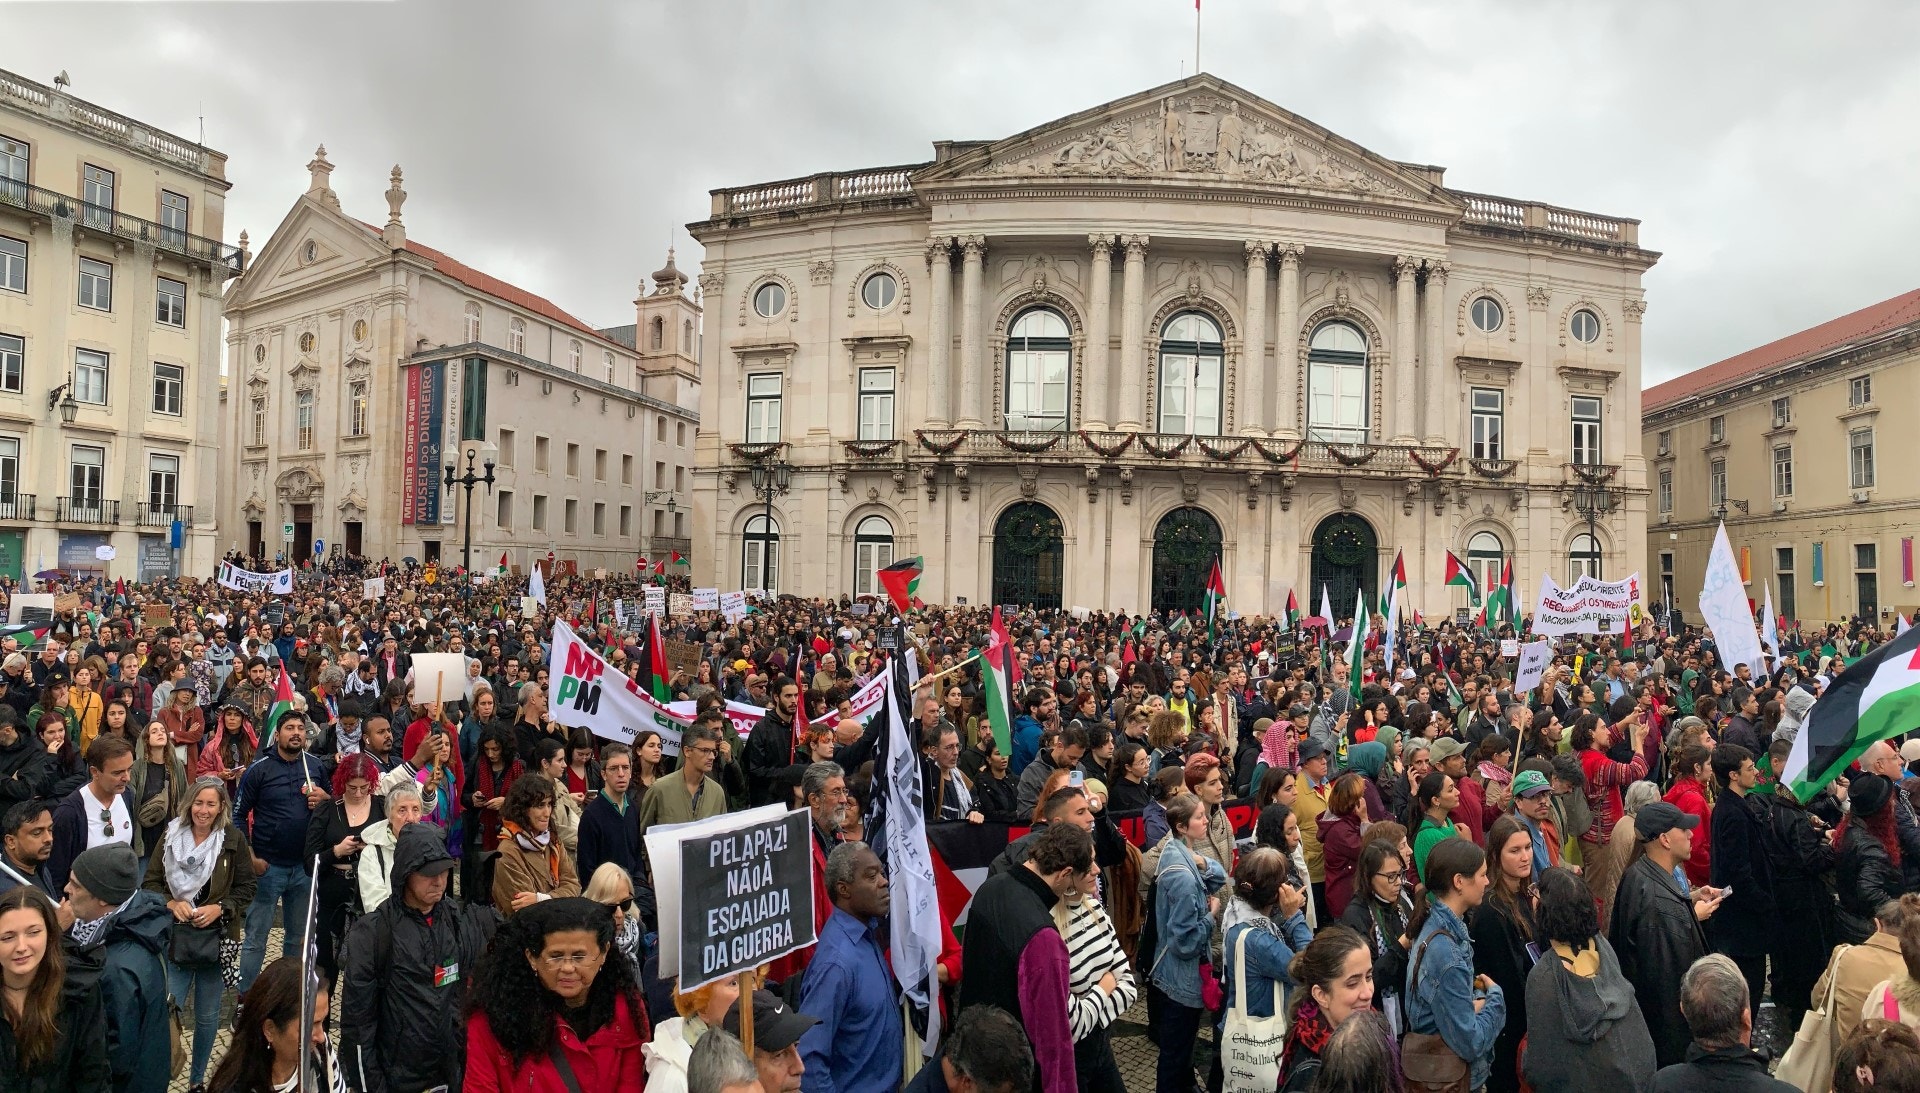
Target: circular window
pixel 307 342
pixel 359 330
pixel 1585 326
pixel 312 251
pixel 260 353
pixel 1488 315
pixel 770 299
pixel 879 291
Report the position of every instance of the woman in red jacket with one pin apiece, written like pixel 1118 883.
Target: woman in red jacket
pixel 553 992
pixel 1340 838
pixel 1692 793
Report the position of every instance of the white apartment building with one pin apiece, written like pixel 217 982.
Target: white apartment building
pixel 361 363
pixel 111 269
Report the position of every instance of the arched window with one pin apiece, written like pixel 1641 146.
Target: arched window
pixel 1484 555
pixel 573 355
pixel 1337 384
pixel 606 358
pixel 659 334
pixel 872 552
pixel 1190 369
pixel 760 554
pixel 473 323
pixel 1039 363
pixel 517 337
pixel 1583 557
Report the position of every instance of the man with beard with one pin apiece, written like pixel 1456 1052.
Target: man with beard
pixel 28 837
pixel 276 796
pixel 770 747
pixel 824 785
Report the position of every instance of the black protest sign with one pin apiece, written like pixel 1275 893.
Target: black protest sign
pixel 746 897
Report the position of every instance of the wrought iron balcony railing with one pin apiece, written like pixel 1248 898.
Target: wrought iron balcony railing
pixel 38 200
pixel 16 506
pixel 163 516
pixel 86 510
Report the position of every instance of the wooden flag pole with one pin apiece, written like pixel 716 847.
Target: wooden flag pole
pixel 746 1011
pixel 925 680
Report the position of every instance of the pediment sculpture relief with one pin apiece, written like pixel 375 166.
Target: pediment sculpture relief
pixel 1202 134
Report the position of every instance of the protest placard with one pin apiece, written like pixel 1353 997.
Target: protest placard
pixel 656 602
pixel 439 677
pixel 733 606
pixel 1589 607
pixel 158 615
pixel 706 599
pixel 679 605
pixel 373 588
pixel 30 607
pixel 528 607
pixel 65 602
pixel 1509 647
pixel 683 656
pixel 734 892
pixel 1534 658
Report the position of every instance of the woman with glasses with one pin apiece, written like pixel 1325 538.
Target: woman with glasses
pixel 1381 908
pixel 611 885
pixel 532 867
pixel 203 867
pixel 555 1005
pixel 335 834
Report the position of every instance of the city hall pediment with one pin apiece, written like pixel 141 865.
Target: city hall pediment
pixel 1199 130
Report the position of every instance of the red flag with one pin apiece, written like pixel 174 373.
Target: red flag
pixel 657 660
pixel 1126 652
pixel 800 726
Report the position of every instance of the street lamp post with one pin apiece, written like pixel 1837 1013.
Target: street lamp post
pixel 469 480
pixel 1592 500
pixel 770 476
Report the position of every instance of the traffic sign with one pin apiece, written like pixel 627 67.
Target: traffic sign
pixel 286 533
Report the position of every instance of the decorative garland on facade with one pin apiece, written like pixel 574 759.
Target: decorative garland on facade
pixel 868 449
pixel 1108 451
pixel 1153 448
pixel 1365 455
pixel 1223 454
pixel 1030 447
pixel 1433 469
pixel 753 453
pixel 1493 468
pixel 1593 475
pixel 1283 457
pixel 955 438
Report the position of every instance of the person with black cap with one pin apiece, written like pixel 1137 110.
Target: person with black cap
pixel 777 1028
pixel 1656 923
pixel 1313 790
pixel 119 934
pixel 406 965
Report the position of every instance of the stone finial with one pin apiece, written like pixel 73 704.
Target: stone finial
pixel 668 281
pixel 396 233
pixel 246 255
pixel 320 184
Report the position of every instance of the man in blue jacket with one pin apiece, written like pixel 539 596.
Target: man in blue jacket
pixel 1042 710
pixel 119 935
pixel 277 795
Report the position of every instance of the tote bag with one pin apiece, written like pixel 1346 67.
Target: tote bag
pixel 1251 1046
pixel 1808 1064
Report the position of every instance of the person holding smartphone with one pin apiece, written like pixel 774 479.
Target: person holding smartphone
pixel 334 835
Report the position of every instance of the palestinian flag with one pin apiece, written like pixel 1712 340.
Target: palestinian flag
pixel 1293 611
pixel 282 699
pixel 902 581
pixel 28 634
pixel 998 678
pixel 1398 581
pixel 1877 698
pixel 503 568
pixel 653 663
pixel 677 558
pixel 1356 648
pixel 1458 572
pixel 1216 595
pixel 1506 592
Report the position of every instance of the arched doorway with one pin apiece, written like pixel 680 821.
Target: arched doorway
pixel 1345 562
pixel 1185 543
pixel 1029 556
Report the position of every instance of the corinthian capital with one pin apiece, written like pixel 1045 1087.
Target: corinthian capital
pixel 1102 245
pixel 1405 266
pixel 1289 255
pixel 1437 272
pixel 1257 251
pixel 973 246
pixel 1136 246
pixel 939 252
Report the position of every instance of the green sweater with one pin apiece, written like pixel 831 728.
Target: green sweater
pixel 1425 839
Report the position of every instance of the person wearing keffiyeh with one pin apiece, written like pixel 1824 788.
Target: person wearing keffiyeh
pixel 532 866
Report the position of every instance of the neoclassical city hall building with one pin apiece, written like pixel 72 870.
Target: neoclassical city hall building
pixel 1072 366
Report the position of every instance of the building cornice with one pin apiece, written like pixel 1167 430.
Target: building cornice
pixel 1786 378
pixel 600 387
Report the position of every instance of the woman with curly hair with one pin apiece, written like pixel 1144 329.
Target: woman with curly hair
pixel 555 1005
pixel 533 866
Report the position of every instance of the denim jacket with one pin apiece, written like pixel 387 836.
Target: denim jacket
pixel 1269 952
pixel 1185 927
pixel 1440 999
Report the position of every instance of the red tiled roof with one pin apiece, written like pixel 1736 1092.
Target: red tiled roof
pixel 1864 323
pixel 492 286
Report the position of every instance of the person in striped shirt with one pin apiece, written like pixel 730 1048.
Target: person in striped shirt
pixel 1100 982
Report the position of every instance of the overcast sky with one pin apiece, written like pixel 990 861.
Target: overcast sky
pixel 1769 148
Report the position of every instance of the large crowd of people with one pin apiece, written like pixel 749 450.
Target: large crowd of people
pixel 1420 879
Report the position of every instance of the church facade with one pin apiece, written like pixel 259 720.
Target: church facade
pixel 1073 366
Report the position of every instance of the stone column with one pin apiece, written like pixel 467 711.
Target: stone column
pixel 940 335
pixel 973 365
pixel 1133 304
pixel 1401 378
pixel 1287 419
pixel 1096 377
pixel 1439 393
pixel 1253 343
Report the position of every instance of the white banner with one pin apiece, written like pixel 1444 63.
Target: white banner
pixel 244 580
pixel 706 599
pixel 733 606
pixel 1534 658
pixel 1724 608
pixel 373 588
pixel 1589 607
pixel 656 600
